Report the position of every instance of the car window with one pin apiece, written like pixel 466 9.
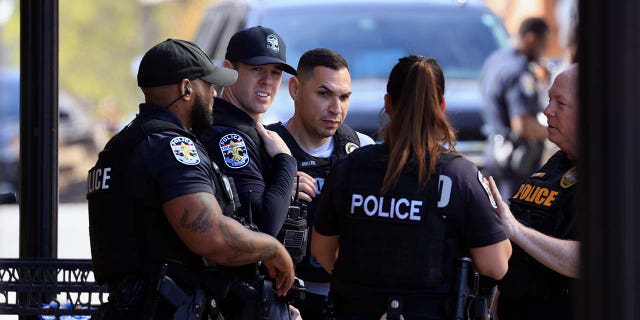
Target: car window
pixel 372 40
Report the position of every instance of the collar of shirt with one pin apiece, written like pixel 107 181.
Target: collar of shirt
pixel 147 109
pixel 223 107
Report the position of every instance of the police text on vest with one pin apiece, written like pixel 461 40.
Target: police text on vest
pixel 392 208
pixel 98 179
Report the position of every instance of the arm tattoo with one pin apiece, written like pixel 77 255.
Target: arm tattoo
pixel 200 224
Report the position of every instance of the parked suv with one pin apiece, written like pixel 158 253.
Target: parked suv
pixel 372 35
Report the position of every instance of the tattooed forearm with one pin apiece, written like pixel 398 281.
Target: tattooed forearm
pixel 247 246
pixel 200 224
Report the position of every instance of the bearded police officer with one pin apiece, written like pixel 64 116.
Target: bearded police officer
pixel 317 138
pixel 394 217
pixel 153 215
pixel 541 220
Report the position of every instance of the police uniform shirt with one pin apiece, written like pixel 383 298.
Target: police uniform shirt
pixel 464 199
pixel 163 166
pixel 265 183
pixel 509 89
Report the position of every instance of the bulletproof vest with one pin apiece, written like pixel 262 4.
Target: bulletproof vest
pixel 545 202
pixel 345 140
pixel 115 218
pixel 403 227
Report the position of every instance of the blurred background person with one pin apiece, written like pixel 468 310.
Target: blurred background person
pixel 509 84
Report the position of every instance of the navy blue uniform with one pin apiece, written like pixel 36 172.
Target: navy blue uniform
pixel 263 184
pixel 404 243
pixel 545 202
pixel 509 89
pixel 151 161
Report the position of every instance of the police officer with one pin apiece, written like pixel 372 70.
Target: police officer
pixel 263 173
pixel 393 217
pixel 317 138
pixel 153 215
pixel 264 178
pixel 509 88
pixel 542 220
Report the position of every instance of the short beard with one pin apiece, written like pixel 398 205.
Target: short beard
pixel 201 115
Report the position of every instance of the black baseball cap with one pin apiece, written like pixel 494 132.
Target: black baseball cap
pixel 257 46
pixel 173 60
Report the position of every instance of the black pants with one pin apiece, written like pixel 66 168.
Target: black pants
pixel 314 307
pixel 548 309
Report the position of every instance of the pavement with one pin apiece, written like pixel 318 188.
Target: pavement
pixel 73 231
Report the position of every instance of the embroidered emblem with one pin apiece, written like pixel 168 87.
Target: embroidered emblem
pixel 184 150
pixel 234 151
pixel 528 84
pixel 569 178
pixel 350 146
pixel 272 43
pixel 485 185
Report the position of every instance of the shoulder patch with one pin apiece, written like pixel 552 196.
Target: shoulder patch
pixel 184 150
pixel 528 84
pixel 569 178
pixel 485 185
pixel 234 151
pixel 350 146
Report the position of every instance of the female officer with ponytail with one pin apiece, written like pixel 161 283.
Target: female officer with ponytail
pixel 394 217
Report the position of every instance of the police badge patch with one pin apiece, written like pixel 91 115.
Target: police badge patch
pixel 184 150
pixel 234 151
pixel 569 178
pixel 485 185
pixel 350 146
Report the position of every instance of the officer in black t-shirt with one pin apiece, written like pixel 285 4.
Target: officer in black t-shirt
pixel 393 218
pixel 543 223
pixel 152 200
pixel 317 138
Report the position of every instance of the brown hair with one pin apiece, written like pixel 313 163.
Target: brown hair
pixel 417 127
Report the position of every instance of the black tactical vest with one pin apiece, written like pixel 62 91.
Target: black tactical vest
pixel 403 227
pixel 545 202
pixel 345 140
pixel 116 221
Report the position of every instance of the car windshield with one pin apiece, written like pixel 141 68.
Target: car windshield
pixel 373 40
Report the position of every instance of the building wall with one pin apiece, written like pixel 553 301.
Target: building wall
pixel 514 11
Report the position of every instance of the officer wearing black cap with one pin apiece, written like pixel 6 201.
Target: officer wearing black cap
pixel 263 172
pixel 155 218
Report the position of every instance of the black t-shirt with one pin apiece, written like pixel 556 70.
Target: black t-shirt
pixel 466 203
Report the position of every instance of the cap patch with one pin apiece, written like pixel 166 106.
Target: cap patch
pixel 234 151
pixel 272 43
pixel 350 146
pixel 485 185
pixel 184 150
